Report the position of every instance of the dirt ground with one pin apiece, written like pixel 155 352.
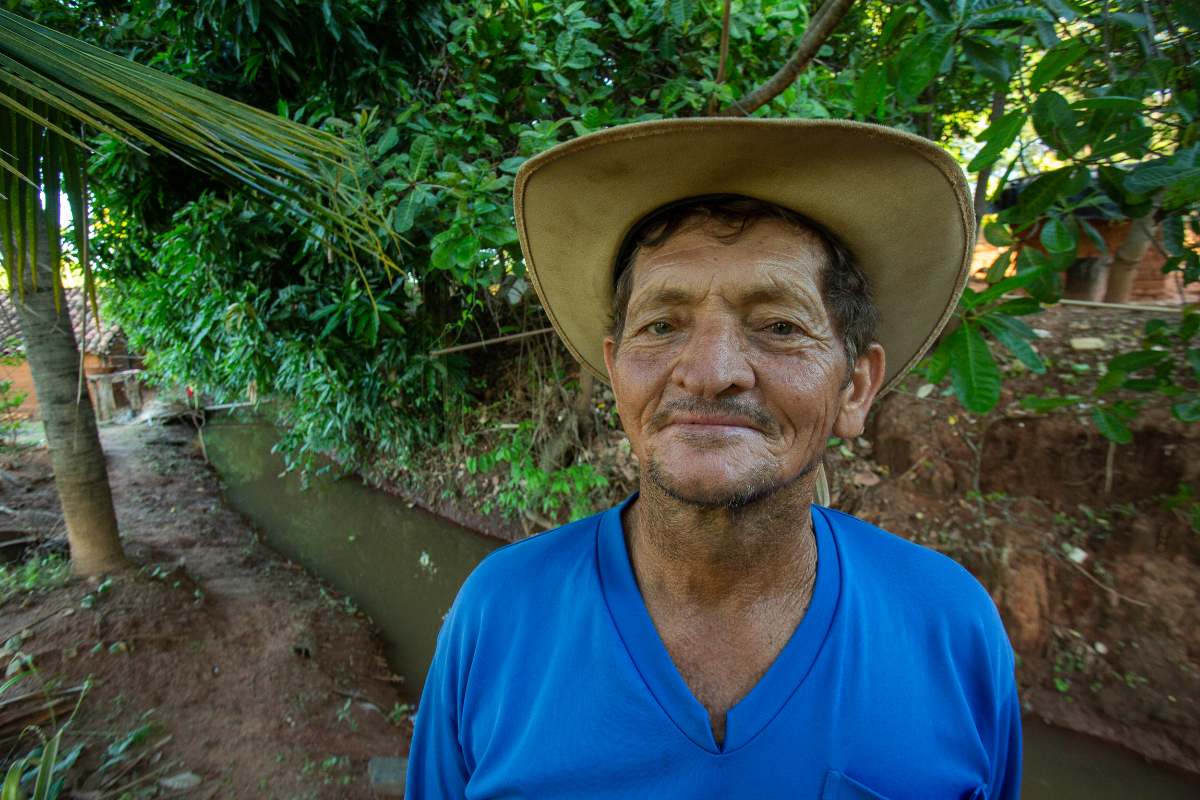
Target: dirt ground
pixel 249 674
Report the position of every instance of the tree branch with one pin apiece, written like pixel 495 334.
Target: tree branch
pixel 712 103
pixel 820 28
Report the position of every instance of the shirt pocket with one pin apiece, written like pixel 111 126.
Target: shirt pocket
pixel 839 787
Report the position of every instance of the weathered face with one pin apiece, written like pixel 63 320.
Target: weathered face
pixel 729 375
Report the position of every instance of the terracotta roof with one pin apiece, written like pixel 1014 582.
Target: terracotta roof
pixel 97 342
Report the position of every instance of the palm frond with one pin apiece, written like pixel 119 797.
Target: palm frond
pixel 53 86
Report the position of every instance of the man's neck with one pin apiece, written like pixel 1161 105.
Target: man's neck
pixel 723 559
pixel 724 588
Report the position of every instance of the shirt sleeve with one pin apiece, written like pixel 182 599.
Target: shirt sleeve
pixel 1006 763
pixel 437 769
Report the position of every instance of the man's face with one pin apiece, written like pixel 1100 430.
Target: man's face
pixel 729 375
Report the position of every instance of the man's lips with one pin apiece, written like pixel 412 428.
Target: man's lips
pixel 696 414
pixel 714 420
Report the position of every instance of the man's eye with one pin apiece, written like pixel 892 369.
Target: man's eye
pixel 660 327
pixel 782 328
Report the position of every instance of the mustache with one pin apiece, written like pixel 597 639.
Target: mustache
pixel 730 406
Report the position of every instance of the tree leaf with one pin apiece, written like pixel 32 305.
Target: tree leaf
pixel 999 137
pixel 682 11
pixel 996 271
pixel 1053 62
pixel 1136 360
pixel 1045 190
pixel 869 89
pixel 938 364
pixel 973 370
pixel 987 59
pixel 1107 102
pixel 1188 410
pixel 1011 337
pixel 1057 237
pixel 1111 426
pixel 1132 142
pixel 1019 307
pixel 1111 380
pixel 405 212
pixel 511 165
pixel 1093 235
pixel 997 234
pixel 1150 178
pixel 420 154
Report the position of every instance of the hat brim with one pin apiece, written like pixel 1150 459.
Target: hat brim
pixel 899 202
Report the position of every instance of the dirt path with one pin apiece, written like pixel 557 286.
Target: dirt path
pixel 262 682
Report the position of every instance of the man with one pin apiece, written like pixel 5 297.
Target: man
pixel 748 287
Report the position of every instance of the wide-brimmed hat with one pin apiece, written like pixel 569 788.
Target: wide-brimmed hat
pixel 899 202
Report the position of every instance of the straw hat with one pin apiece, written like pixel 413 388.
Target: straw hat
pixel 899 202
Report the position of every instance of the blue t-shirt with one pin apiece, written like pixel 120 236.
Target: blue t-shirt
pixel 550 681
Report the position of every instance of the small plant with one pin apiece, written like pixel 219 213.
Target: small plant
pixel 399 713
pixel 346 714
pixel 10 423
pixel 44 767
pixel 37 573
pixel 530 486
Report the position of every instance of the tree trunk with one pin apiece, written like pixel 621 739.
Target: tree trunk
pixel 1085 279
pixel 985 174
pixel 79 469
pixel 1123 270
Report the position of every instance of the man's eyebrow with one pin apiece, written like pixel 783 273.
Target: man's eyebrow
pixel 775 292
pixel 772 294
pixel 665 296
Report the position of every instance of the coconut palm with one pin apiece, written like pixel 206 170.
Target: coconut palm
pixel 53 91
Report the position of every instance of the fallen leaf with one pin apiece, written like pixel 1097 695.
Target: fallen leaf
pixel 184 780
pixel 925 390
pixel 1087 343
pixel 866 478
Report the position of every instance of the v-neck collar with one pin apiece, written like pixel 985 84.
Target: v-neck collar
pixel 754 711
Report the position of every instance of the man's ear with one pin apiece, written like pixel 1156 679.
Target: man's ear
pixel 610 352
pixel 865 383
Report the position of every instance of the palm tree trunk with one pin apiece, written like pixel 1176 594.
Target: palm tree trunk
pixel 79 469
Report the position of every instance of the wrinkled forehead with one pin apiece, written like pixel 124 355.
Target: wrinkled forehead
pixel 701 227
pixel 768 260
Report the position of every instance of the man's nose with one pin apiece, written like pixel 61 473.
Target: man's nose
pixel 714 360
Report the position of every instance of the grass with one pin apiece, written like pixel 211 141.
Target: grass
pixel 38 573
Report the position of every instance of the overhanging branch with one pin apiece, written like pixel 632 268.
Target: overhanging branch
pixel 820 28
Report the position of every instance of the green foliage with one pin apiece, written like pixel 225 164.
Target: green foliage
pixel 217 311
pixel 34 574
pixel 529 486
pixel 1116 107
pixel 43 768
pixel 10 423
pixel 445 100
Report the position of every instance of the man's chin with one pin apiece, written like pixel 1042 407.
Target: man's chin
pixel 714 492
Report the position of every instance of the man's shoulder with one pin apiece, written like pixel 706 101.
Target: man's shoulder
pixel 880 563
pixel 873 549
pixel 546 563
